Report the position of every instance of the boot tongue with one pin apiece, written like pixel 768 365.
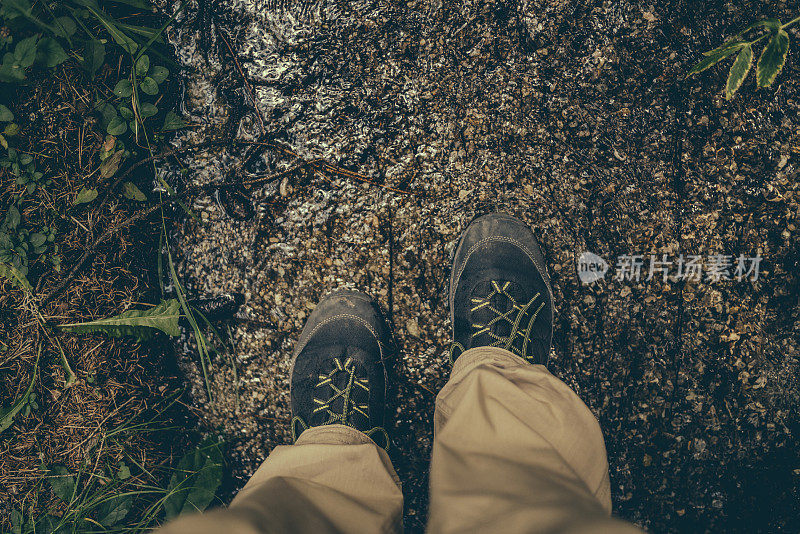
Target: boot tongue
pixel 494 305
pixel 341 395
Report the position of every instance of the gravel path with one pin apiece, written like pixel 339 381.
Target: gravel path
pixel 574 116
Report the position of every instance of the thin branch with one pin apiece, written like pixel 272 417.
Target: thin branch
pixel 317 164
pixel 244 78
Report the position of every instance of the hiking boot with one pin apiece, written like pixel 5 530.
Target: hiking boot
pixel 500 293
pixel 338 373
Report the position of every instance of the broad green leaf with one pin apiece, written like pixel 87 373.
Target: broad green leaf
pixel 733 43
pixel 123 89
pixel 126 113
pixel 108 112
pixel 85 196
pixel 141 324
pixel 5 114
pixel 11 129
pixel 739 71
pixel 713 59
pixel 159 74
pixel 22 6
pixel 173 122
pixel 25 52
pixel 195 481
pixel 10 72
pixel 64 27
pixel 117 126
pixel 771 24
pixel 772 59
pixel 15 276
pixel 12 215
pixel 114 509
pixel 94 55
pixel 142 65
pixel 149 86
pixel 62 482
pixel 3 142
pixel 129 190
pixel 49 53
pixel 7 414
pixel 147 110
pixel 37 239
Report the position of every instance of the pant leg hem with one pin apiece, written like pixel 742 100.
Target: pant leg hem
pixel 333 435
pixel 479 355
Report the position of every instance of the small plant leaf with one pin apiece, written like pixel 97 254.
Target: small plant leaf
pixel 85 196
pixel 7 414
pixel 195 481
pixel 142 65
pixel 25 52
pixel 64 27
pixel 710 61
pixel 62 482
pixel 147 110
pixel 772 59
pixel 16 277
pixel 11 129
pixel 114 509
pixel 173 122
pixel 94 55
pixel 159 74
pixel 49 53
pixel 771 24
pixel 129 190
pixel 111 164
pixel 733 43
pixel 12 215
pixel 126 113
pixel 739 71
pixel 124 472
pixel 117 126
pixel 149 86
pixel 108 112
pixel 5 114
pixel 123 89
pixel 141 324
pixel 37 239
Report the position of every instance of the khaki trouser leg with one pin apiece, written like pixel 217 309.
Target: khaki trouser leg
pixel 516 450
pixel 334 479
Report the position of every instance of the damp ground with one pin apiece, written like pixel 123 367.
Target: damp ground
pixel 378 130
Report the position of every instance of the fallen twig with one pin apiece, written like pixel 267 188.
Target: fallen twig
pixel 317 165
